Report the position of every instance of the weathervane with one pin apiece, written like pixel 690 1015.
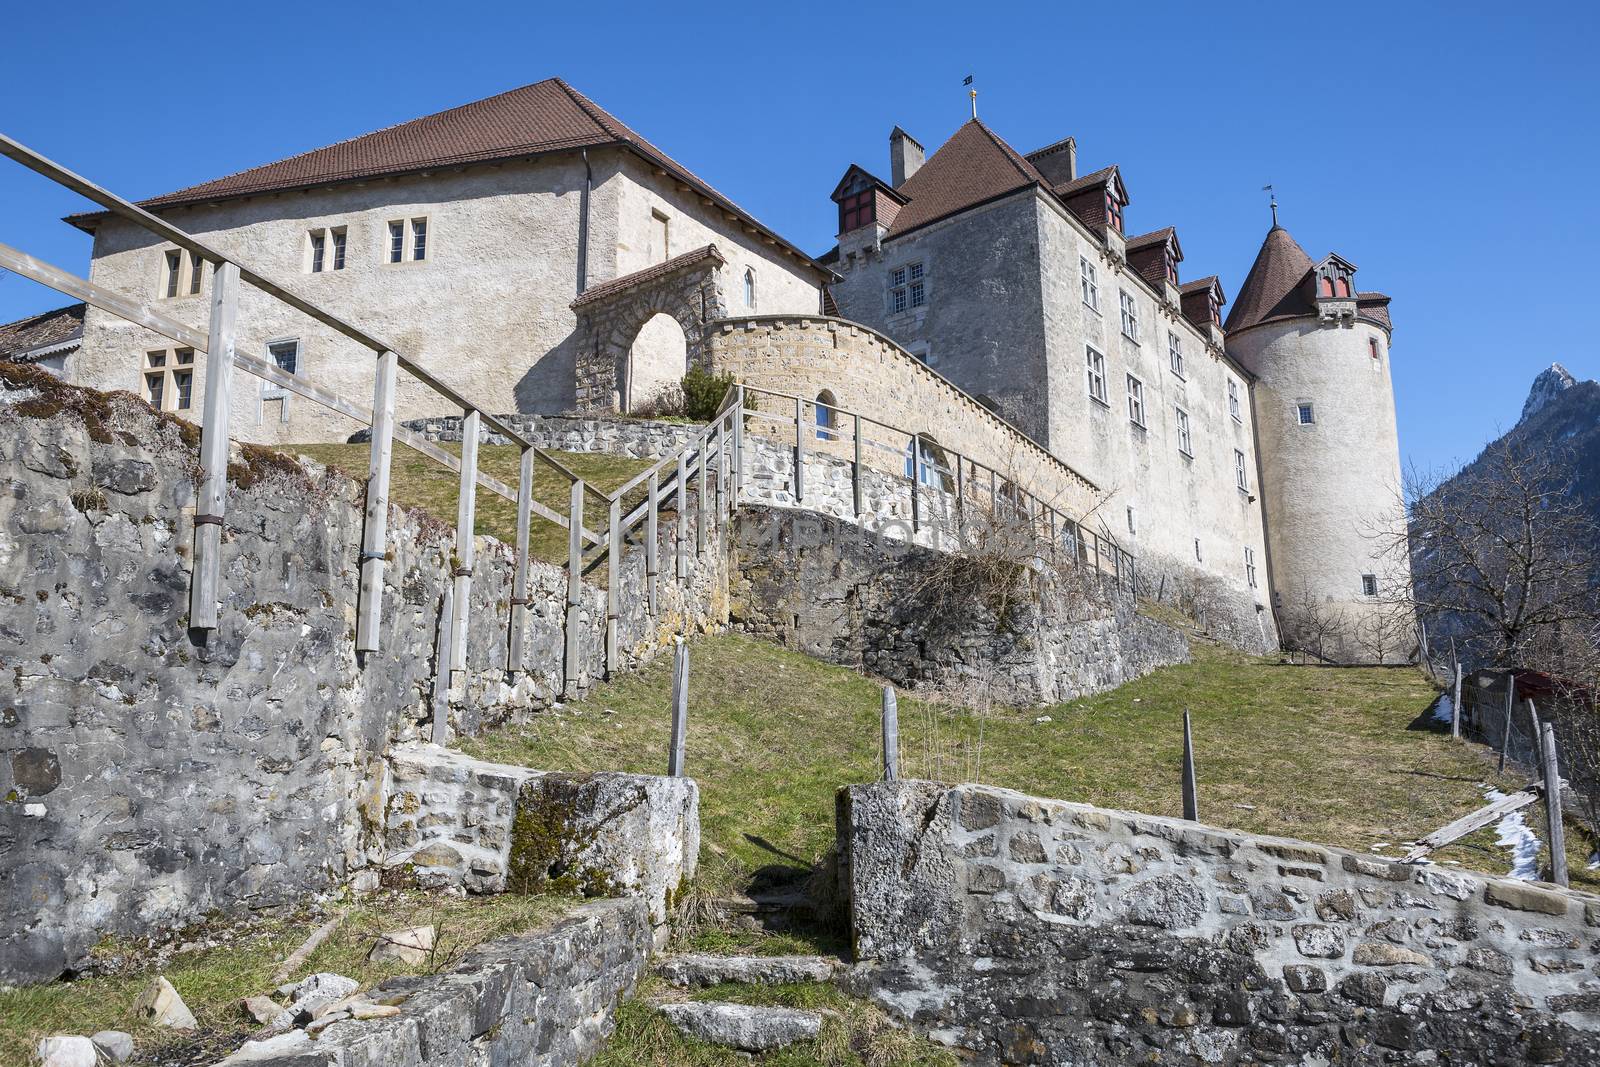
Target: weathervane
pixel 1273 198
pixel 973 92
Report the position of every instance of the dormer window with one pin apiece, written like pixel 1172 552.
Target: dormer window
pixel 1172 268
pixel 1113 209
pixel 1336 286
pixel 857 210
pixel 1335 279
pixel 1216 309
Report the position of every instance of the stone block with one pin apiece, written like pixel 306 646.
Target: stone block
pixel 1389 871
pixel 1520 897
pixel 1319 941
pixel 1383 954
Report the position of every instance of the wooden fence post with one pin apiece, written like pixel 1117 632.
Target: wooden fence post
pixel 1191 798
pixel 683 514
pixel 1455 705
pixel 1511 698
pixel 701 503
pixel 652 518
pixel 855 470
pixel 613 582
pixel 1556 830
pixel 799 450
pixel 680 707
pixel 891 736
pixel 374 531
pixel 466 517
pixel 572 666
pixel 519 582
pixel 205 586
pixel 738 447
pixel 722 473
pixel 441 667
pixel 1538 737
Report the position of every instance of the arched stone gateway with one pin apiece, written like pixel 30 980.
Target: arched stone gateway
pixel 611 315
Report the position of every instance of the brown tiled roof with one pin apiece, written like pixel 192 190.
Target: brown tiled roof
pixel 638 277
pixel 1374 306
pixel 548 116
pixel 1271 289
pixel 973 166
pixel 40 331
pixel 1154 237
pixel 1088 181
pixel 1201 283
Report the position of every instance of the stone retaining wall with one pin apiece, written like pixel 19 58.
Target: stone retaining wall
pixel 546 999
pixel 862 599
pixel 149 775
pixel 1038 931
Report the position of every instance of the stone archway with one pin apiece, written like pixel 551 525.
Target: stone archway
pixel 657 361
pixel 688 288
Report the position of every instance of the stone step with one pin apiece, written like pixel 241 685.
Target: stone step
pixel 695 969
pixel 741 1026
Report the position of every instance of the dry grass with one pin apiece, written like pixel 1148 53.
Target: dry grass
pixel 240 962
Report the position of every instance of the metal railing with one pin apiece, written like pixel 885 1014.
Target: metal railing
pixel 971 491
pixel 586 548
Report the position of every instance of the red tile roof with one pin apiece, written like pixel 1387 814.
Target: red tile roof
pixel 1088 181
pixel 39 331
pixel 1270 290
pixel 638 277
pixel 545 117
pixel 1374 306
pixel 972 167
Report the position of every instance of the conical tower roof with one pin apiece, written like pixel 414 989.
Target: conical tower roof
pixel 1270 290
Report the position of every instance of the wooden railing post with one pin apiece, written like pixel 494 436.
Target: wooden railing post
pixel 466 517
pixel 722 472
pixel 441 667
pixel 738 447
pixel 572 666
pixel 1505 737
pixel 855 470
pixel 682 540
pixel 613 582
pixel 651 548
pixel 374 533
pixel 701 504
pixel 1556 832
pixel 519 583
pixel 1191 801
pixel 1455 706
pixel 891 736
pixel 205 587
pixel 680 708
pixel 799 450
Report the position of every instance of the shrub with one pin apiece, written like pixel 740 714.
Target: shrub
pixel 703 393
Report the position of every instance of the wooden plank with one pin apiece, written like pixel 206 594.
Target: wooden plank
pixel 519 581
pixel 21 263
pixel 441 667
pixel 375 528
pixel 613 583
pixel 571 664
pixel 1191 795
pixel 1555 828
pixel 1465 825
pixel 466 541
pixel 680 708
pixel 652 550
pixel 891 735
pixel 799 451
pixel 205 587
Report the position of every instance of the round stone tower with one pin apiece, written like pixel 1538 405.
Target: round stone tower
pixel 1328 451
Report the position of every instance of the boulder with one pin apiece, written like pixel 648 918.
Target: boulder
pixel 114 1045
pixel 161 1004
pixel 67 1052
pixel 262 1009
pixel 318 991
pixel 740 1026
pixel 698 969
pixel 410 947
pixel 269 1048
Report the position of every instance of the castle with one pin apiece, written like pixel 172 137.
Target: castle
pixel 544 256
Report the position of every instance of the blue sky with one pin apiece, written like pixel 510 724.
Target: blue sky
pixel 1450 151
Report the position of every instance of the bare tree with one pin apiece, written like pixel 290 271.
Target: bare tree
pixel 1315 628
pixel 1505 553
pixel 1388 630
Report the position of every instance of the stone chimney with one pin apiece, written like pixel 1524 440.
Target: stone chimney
pixel 1058 162
pixel 905 156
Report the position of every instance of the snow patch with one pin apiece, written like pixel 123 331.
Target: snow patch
pixel 1444 709
pixel 1515 834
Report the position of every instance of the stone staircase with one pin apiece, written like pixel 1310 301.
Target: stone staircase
pixel 745 1027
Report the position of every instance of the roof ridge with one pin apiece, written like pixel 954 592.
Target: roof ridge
pixel 1026 169
pixel 597 114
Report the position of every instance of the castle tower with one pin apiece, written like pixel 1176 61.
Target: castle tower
pixel 1329 452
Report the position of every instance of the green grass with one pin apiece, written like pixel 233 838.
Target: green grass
pixel 1326 754
pixel 213 980
pixel 416 481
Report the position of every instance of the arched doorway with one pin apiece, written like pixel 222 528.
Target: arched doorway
pixel 657 361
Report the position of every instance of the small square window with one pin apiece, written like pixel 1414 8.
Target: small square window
pixel 907 287
pixel 286 354
pixel 1305 413
pixel 185 357
pixel 1369 585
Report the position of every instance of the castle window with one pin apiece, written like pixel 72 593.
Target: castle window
pixel 1113 210
pixel 1233 400
pixel 750 288
pixel 1175 353
pixel 922 461
pixel 1135 401
pixel 1375 352
pixel 1130 316
pixel 169 379
pixel 1090 283
pixel 402 250
pixel 660 237
pixel 338 247
pixel 397 242
pixel 1369 585
pixel 907 287
pixel 319 242
pixel 857 210
pixel 1097 376
pixel 1305 412
pixel 1133 527
pixel 1197 557
pixel 1241 472
pixel 1185 442
pixel 174 267
pixel 1172 269
pixel 1250 566
pixel 197 273
pixel 827 418
pixel 419 239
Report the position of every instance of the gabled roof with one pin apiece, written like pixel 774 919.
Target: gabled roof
pixel 649 274
pixel 1271 289
pixel 51 330
pixel 972 167
pixel 1103 176
pixel 1155 237
pixel 1335 258
pixel 539 119
pixel 1210 281
pixel 857 170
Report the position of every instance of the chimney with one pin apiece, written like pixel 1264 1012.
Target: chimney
pixel 1058 162
pixel 905 156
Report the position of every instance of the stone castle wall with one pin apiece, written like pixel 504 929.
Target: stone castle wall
pixel 830 589
pixel 1038 931
pixel 148 776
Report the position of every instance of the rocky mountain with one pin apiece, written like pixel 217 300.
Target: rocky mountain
pixel 1548 386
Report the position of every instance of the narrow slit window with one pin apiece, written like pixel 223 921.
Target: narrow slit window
pixel 338 249
pixel 197 275
pixel 318 247
pixel 174 261
pixel 419 239
pixel 397 242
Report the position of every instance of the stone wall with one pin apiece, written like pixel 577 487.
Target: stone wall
pixel 859 598
pixel 1038 931
pixel 149 775
pixel 545 999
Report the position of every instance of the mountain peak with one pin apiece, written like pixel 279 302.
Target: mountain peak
pixel 1551 383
